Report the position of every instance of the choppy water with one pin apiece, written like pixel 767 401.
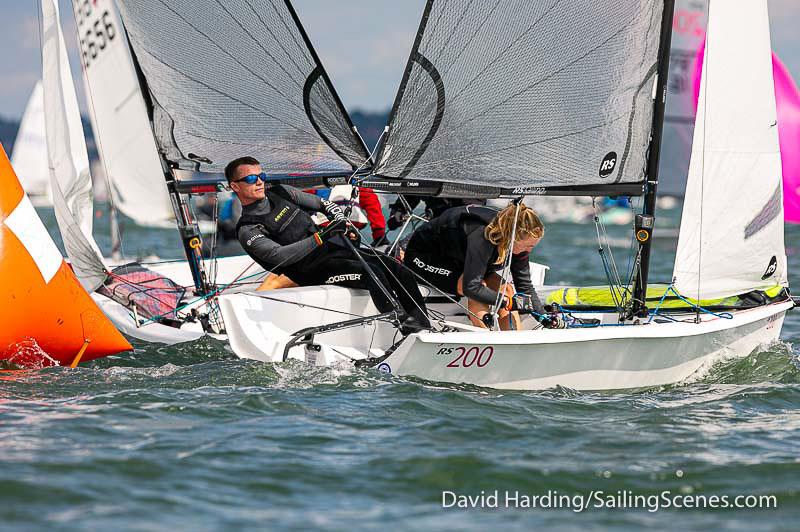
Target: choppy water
pixel 191 438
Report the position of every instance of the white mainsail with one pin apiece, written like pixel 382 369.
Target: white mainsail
pixel 68 159
pixel 119 116
pixel 731 237
pixel 29 157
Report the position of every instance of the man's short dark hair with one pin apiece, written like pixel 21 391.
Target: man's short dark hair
pixel 230 169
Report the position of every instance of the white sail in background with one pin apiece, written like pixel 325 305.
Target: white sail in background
pixel 731 237
pixel 68 159
pixel 119 116
pixel 29 157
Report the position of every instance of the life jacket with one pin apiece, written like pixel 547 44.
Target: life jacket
pixel 285 223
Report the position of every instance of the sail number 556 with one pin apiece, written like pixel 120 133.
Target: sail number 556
pixel 466 357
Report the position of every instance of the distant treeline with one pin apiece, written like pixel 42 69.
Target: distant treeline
pixel 8 132
pixel 369 125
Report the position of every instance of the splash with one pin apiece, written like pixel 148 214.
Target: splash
pixel 26 354
pixel 770 363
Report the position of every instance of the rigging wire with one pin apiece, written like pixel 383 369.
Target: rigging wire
pixel 619 292
pixel 207 298
pixel 307 305
pixel 352 180
pixel 212 252
pixel 507 263
pixel 703 94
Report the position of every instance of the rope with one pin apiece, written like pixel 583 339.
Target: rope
pixel 698 308
pixel 377 254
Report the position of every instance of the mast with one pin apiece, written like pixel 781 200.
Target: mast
pixel 645 221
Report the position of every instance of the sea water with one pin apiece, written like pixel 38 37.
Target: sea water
pixel 189 437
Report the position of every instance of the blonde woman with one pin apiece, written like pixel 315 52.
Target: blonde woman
pixel 461 251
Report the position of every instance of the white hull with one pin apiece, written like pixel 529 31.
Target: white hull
pixel 123 320
pixel 598 358
pixel 228 269
pixel 602 358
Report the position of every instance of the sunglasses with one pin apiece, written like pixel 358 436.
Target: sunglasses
pixel 252 179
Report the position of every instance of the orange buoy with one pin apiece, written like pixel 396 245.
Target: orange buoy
pixel 46 316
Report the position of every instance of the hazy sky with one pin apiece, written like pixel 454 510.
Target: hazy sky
pixel 363 44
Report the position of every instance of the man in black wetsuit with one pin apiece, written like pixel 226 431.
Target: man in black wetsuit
pixel 276 230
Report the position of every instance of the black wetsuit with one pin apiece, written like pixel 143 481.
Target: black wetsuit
pixel 453 245
pixel 278 233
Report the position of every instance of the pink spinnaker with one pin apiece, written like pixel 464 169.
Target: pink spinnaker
pixel 788 103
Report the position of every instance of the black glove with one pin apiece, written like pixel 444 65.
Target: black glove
pixel 354 236
pixel 396 219
pixel 522 303
pixel 334 212
pixel 552 321
pixel 332 230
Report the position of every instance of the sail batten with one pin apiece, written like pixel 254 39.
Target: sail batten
pixel 526 94
pixel 239 78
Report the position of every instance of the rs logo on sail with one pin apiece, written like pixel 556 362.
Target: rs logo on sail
pixel 608 164
pixel 773 265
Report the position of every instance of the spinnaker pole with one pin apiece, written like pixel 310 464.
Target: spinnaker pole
pixel 645 221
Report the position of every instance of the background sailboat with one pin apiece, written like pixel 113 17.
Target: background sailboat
pixel 70 179
pixel 29 157
pixel 119 117
pixel 118 292
pixel 731 239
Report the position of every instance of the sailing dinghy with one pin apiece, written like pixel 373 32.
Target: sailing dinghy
pixel 567 98
pixel 47 317
pixel 29 157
